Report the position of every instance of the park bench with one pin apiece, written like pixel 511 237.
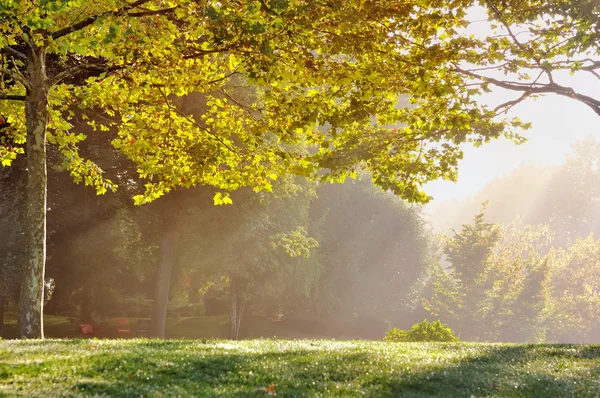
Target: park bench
pixel 86 329
pixel 123 327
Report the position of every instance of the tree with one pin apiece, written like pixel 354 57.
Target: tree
pixel 259 244
pixel 564 196
pixel 532 45
pixel 75 222
pixel 572 194
pixel 575 294
pixel 374 252
pixel 314 62
pixel 459 291
pixel 528 316
pixel 495 286
pixel 515 307
pixel 103 268
pixel 11 245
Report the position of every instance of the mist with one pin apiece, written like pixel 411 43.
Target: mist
pixel 254 248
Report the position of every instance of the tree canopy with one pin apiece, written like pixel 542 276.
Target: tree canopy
pixel 313 62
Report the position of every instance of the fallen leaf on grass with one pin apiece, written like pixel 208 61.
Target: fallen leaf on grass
pixel 269 390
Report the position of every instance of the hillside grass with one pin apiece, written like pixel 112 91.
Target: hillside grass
pixel 292 368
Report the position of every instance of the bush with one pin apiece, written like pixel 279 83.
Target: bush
pixel 424 331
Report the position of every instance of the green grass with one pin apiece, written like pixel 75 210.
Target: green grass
pixel 217 327
pixel 54 326
pixel 186 368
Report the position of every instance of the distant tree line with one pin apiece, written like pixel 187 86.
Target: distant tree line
pixel 338 260
pixel 533 279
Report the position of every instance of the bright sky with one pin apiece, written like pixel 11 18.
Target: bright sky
pixel 557 122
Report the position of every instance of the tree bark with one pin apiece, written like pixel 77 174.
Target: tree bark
pixel 31 300
pixel 163 281
pixel 238 305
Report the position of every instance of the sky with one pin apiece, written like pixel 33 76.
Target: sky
pixel 557 123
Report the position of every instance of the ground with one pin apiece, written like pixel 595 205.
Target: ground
pixel 288 368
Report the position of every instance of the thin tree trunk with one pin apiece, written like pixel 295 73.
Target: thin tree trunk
pixel 241 306
pixel 31 300
pixel 236 311
pixel 2 302
pixel 233 332
pixel 163 282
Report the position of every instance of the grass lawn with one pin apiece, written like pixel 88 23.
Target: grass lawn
pixel 54 326
pixel 186 368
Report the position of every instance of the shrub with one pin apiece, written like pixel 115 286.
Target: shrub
pixel 424 331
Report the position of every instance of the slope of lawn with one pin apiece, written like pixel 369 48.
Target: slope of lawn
pixel 186 368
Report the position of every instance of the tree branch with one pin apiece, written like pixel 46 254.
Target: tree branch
pixel 72 71
pixel 152 12
pixel 245 108
pixel 505 107
pixel 13 52
pixel 12 97
pixel 90 20
pixel 498 14
pixel 510 104
pixel 533 88
pixel 235 72
pixel 200 53
pixel 192 121
pixel 521 46
pixel 16 76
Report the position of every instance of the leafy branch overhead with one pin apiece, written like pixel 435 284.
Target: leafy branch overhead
pixel 530 47
pixel 326 75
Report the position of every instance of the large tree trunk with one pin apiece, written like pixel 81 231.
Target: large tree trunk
pixel 32 287
pixel 2 302
pixel 163 281
pixel 238 303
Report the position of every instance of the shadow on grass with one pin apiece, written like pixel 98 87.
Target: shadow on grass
pixel 220 368
pixel 297 373
pixel 511 371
